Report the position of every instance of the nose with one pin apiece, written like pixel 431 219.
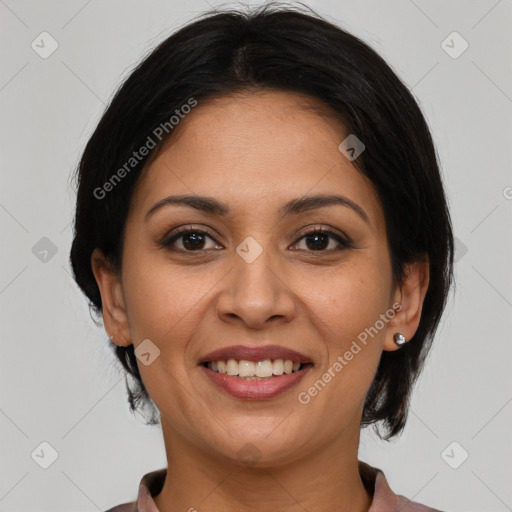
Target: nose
pixel 256 293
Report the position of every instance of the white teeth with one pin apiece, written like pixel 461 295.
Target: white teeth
pixel 246 369
pixel 232 367
pixel 260 369
pixel 278 367
pixel 264 368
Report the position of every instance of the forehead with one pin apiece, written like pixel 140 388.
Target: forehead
pixel 255 150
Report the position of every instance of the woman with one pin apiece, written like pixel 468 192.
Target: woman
pixel 262 224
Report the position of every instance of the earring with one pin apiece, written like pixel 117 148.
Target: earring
pixel 399 338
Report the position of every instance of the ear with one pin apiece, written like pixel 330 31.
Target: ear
pixel 411 296
pixel 112 300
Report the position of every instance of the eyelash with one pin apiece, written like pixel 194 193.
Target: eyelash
pixel 181 232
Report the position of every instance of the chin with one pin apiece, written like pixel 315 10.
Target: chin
pixel 259 448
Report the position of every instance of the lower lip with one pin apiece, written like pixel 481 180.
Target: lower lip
pixel 255 389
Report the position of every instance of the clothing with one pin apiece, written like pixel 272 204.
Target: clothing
pixel 374 480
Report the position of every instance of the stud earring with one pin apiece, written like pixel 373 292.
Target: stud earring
pixel 399 338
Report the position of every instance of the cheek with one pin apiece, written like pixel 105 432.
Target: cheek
pixel 164 304
pixel 347 300
pixel 346 307
pixel 161 298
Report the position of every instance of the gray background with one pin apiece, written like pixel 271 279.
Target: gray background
pixel 58 381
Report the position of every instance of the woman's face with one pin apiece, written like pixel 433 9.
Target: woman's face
pixel 249 277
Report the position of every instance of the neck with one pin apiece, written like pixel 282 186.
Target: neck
pixel 326 480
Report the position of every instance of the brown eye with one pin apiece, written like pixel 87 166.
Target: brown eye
pixel 192 240
pixel 318 240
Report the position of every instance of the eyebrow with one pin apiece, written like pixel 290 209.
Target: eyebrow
pixel 212 206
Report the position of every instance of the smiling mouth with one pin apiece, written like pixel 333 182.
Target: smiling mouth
pixel 256 370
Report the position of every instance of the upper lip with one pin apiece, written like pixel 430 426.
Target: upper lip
pixel 251 353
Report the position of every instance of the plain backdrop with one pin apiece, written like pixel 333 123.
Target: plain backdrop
pixel 60 385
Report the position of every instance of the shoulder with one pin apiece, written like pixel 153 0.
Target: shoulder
pixel 124 507
pixel 384 498
pixel 150 485
pixel 406 505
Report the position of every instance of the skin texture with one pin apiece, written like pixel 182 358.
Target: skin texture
pixel 254 152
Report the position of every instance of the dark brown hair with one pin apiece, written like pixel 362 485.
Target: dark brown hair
pixel 271 47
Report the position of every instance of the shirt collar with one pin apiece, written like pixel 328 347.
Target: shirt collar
pixel 374 480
